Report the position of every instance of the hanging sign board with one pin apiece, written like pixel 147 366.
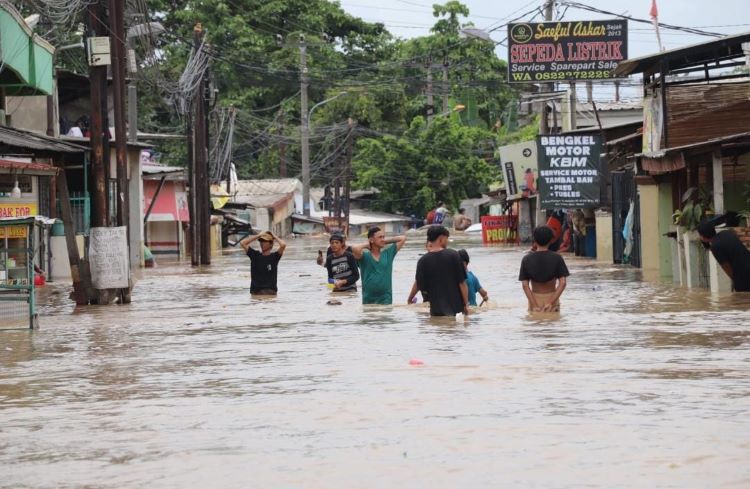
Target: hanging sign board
pixel 13 232
pixel 109 258
pixel 566 51
pixel 569 171
pixel 18 209
pixel 519 162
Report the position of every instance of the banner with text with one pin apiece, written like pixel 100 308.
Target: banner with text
pixel 559 51
pixel 569 171
pixel 109 258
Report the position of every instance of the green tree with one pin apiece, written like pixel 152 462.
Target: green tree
pixel 441 161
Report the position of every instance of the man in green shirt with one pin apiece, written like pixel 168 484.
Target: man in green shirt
pixel 375 259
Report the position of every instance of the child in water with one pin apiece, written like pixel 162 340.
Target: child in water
pixel 473 282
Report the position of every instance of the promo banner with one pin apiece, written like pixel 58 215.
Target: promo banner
pixel 569 171
pixel 566 51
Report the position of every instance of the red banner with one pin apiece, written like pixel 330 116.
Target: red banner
pixel 500 229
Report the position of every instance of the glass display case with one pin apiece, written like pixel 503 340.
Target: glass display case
pixel 17 300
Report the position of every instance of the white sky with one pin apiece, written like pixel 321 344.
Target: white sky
pixel 412 18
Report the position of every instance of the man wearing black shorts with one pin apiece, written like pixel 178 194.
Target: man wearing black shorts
pixel 263 263
pixel 543 274
pixel 730 253
pixel 442 276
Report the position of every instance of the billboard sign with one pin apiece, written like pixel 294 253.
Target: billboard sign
pixel 566 51
pixel 569 171
pixel 519 165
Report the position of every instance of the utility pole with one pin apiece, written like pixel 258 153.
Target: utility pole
pixel 117 44
pixel 304 82
pixel 617 91
pixel 446 89
pixel 549 7
pixel 98 79
pixel 348 172
pixel 193 150
pixel 430 101
pixel 200 163
pixel 116 19
pixel 589 92
pixel 282 146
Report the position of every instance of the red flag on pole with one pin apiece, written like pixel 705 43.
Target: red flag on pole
pixel 654 18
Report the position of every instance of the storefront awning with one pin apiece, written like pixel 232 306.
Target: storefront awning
pixel 23 168
pixel 25 58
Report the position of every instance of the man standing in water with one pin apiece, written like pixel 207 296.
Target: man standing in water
pixel 375 259
pixel 442 276
pixel 543 274
pixel 263 263
pixel 341 265
pixel 730 253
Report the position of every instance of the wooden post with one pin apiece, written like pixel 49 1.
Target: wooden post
pixel 74 258
pixel 718 182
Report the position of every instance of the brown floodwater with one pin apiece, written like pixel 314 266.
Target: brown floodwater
pixel 196 384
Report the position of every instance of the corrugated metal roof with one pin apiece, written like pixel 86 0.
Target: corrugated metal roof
pixel 161 169
pixel 27 168
pixel 694 55
pixel 667 152
pixel 27 140
pixel 266 187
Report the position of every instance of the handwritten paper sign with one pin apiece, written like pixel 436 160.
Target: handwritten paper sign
pixel 108 258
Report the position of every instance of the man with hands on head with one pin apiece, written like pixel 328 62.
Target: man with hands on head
pixel 263 263
pixel 375 259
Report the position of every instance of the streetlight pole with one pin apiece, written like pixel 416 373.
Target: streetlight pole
pixel 306 137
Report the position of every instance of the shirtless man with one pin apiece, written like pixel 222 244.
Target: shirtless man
pixel 543 274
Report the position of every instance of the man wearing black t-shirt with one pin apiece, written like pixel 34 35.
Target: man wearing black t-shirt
pixel 731 254
pixel 263 263
pixel 341 265
pixel 543 274
pixel 442 276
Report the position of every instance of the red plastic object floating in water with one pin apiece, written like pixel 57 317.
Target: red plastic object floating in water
pixel 39 280
pixel 415 362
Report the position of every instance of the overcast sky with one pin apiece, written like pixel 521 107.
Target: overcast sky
pixel 412 18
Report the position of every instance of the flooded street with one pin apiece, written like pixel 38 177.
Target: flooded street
pixel 195 384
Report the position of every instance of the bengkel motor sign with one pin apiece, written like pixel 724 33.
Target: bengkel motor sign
pixel 566 51
pixel 569 171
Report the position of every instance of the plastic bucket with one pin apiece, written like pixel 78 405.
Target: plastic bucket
pixel 58 228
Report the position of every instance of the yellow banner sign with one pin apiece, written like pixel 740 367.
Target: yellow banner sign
pixel 18 210
pixel 13 231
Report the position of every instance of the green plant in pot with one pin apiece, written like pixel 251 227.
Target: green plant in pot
pixel 697 205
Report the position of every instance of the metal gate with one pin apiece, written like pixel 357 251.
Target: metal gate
pixel 625 192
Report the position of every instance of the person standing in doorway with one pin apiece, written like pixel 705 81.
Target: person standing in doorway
pixel 263 263
pixel 730 253
pixel 543 274
pixel 442 275
pixel 341 265
pixel 375 259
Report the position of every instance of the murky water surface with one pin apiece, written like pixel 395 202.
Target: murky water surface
pixel 195 384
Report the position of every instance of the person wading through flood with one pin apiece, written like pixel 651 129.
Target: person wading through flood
pixel 442 275
pixel 263 263
pixel 543 274
pixel 341 265
pixel 375 260
pixel 730 253
pixel 321 260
